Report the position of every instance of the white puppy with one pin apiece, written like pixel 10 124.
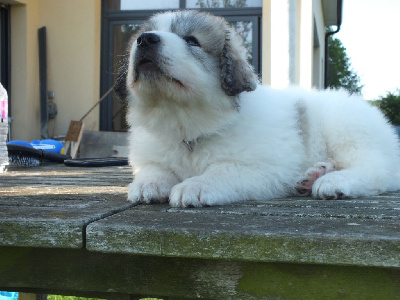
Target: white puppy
pixel 203 132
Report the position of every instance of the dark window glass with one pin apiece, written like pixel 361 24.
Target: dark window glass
pixel 141 5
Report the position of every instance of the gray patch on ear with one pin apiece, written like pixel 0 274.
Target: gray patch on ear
pixel 237 74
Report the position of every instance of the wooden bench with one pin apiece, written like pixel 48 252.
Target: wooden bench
pixel 71 231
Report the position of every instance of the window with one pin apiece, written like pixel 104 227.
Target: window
pixel 5 47
pixel 178 4
pixel 5 59
pixel 121 19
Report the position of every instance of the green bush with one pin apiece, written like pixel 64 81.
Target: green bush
pixel 57 297
pixel 341 75
pixel 390 105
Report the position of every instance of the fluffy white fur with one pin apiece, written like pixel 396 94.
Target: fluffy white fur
pixel 258 151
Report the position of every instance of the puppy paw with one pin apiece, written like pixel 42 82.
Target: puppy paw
pixel 191 193
pixel 337 185
pixel 187 195
pixel 304 185
pixel 149 192
pixel 331 188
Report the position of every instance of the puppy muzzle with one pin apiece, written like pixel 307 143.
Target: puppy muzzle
pixel 147 55
pixel 147 40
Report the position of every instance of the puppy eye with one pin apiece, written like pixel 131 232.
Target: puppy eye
pixel 192 41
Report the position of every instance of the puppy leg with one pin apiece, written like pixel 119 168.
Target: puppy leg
pixel 304 185
pixel 350 183
pixel 151 184
pixel 365 170
pixel 227 183
pixel 338 184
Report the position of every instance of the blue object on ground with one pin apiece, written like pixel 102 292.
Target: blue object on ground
pixel 48 145
pixel 24 154
pixel 20 143
pixel 8 296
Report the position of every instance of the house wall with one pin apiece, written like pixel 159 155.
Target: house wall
pixel 293 43
pixel 73 50
pixel 266 42
pixel 318 45
pixel 73 33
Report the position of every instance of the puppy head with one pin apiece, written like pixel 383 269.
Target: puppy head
pixel 186 53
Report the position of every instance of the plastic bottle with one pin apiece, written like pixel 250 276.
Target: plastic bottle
pixel 3 105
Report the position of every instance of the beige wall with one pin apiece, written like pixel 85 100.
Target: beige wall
pixel 24 79
pixel 73 49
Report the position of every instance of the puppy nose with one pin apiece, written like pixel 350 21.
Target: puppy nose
pixel 146 40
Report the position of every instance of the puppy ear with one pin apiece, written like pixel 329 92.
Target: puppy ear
pixel 237 74
pixel 120 88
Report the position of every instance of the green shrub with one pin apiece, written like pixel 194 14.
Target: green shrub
pixel 390 105
pixel 58 297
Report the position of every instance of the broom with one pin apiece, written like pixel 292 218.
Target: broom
pixel 22 154
pixel 75 129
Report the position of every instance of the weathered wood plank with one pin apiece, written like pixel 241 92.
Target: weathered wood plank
pixel 51 205
pixel 285 248
pixel 75 271
pixel 363 232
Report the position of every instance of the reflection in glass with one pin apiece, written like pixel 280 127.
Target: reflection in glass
pixel 122 35
pixel 222 3
pixel 245 30
pixel 149 5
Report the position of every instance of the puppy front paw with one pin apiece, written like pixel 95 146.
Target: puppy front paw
pixel 192 193
pixel 186 195
pixel 149 191
pixel 333 186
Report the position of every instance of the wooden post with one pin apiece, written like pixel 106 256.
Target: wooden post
pixel 74 134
